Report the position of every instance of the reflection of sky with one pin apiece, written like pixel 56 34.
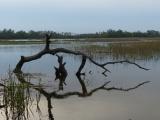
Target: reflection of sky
pixel 139 104
pixel 80 15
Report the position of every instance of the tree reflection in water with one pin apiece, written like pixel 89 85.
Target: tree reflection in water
pixel 17 98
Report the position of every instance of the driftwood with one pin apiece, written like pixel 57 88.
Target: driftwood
pixel 47 50
pixel 61 72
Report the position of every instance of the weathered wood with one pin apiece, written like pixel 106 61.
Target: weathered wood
pixel 47 50
pixel 84 58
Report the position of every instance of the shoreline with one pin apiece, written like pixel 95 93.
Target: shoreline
pixel 54 41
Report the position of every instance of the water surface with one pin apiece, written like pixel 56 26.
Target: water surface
pixel 139 104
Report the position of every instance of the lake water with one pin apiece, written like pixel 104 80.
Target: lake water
pixel 41 101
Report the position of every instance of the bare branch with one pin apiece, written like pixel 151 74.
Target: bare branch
pixel 84 93
pixel 47 50
pixel 82 65
pixel 125 61
pixel 48 36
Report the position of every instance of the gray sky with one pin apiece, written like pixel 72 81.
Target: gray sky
pixel 80 16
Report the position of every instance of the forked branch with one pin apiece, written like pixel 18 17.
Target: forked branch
pixel 47 50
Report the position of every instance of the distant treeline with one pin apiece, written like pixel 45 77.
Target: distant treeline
pixel 11 34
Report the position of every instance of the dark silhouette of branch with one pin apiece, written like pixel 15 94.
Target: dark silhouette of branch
pixel 49 108
pixel 2 85
pixel 103 87
pixel 81 66
pixel 47 50
pixel 84 92
pixel 61 72
pixel 79 94
pixel 125 61
pixel 2 106
pixel 125 89
pixel 48 36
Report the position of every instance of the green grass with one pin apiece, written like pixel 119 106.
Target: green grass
pixel 16 98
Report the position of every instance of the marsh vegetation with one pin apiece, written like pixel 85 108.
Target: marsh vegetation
pixel 142 50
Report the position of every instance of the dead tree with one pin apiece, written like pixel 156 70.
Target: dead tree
pixel 47 50
pixel 61 72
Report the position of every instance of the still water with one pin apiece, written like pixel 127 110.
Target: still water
pixel 41 102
